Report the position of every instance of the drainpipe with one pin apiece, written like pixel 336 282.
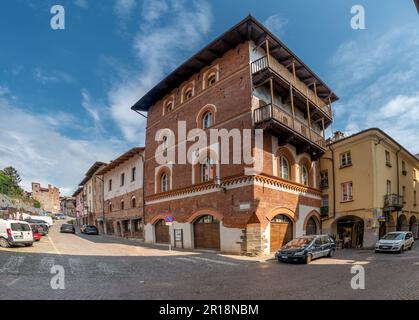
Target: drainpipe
pixel 398 183
pixel 142 198
pixel 332 159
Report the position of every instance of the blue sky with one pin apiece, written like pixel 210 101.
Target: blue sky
pixel 65 95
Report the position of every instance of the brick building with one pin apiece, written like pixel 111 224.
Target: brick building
pixel 93 195
pixel 123 195
pixel 245 79
pixel 48 197
pixel 68 206
pixel 80 211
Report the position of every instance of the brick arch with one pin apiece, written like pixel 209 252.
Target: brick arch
pixel 157 218
pixel 161 171
pixel 304 161
pixel 205 212
pixel 207 108
pixel 203 154
pixel 285 152
pixel 282 210
pixel 317 217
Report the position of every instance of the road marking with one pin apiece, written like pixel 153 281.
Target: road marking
pixel 106 268
pixel 46 264
pixel 193 259
pixel 53 245
pixel 12 265
pixel 13 282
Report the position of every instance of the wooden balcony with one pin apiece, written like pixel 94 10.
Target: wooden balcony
pixel 263 69
pixel 280 123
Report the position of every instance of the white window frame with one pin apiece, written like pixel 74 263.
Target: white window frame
pixel 347 190
pixel 283 160
pixel 345 159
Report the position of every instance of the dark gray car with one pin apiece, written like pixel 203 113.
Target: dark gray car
pixel 306 248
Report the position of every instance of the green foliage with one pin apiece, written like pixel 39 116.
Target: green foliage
pixel 14 175
pixel 36 204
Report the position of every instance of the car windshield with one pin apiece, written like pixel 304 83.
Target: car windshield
pixel 298 243
pixel 393 236
pixel 20 227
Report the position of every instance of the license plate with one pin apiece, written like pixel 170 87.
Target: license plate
pixel 18 237
pixel 284 257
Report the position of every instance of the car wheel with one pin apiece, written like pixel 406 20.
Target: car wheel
pixel 411 247
pixel 331 253
pixel 401 249
pixel 308 259
pixel 376 251
pixel 4 243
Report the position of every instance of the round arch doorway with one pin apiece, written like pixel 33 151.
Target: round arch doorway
pixel 413 226
pixel 207 233
pixel 162 231
pixel 350 230
pixel 281 232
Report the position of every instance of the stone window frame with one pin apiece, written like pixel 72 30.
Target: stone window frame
pixel 201 114
pixel 286 153
pixel 211 72
pixel 163 170
pixel 185 89
pixel 166 102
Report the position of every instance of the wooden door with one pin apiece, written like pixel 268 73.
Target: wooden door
pixel 207 234
pixel 162 232
pixel 281 233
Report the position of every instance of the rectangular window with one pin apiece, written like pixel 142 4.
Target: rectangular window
pixel 388 187
pixel 404 171
pixel 345 159
pixel 325 201
pixel 122 179
pixel 404 194
pixel 324 179
pixel 347 191
pixel 388 159
pixel 415 199
pixel 133 173
pixel 110 185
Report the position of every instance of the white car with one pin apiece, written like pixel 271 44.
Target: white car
pixel 397 241
pixel 14 232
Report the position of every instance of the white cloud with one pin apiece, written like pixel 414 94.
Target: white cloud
pixel 158 48
pixel 377 78
pixel 35 146
pixel 44 77
pixel 81 4
pixel 276 24
pixel 123 8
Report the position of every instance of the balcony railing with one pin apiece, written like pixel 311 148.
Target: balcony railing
pixel 272 111
pixel 262 64
pixel 393 201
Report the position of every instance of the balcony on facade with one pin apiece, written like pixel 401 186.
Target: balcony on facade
pixel 393 202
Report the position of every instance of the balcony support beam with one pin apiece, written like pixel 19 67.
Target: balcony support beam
pixel 308 115
pixel 268 55
pixel 292 106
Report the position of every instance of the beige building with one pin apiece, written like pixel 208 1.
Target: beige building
pixel 93 195
pixel 48 197
pixel 369 187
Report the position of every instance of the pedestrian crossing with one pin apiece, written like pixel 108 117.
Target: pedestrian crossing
pixel 108 266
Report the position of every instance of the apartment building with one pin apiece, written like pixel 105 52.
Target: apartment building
pixel 246 79
pixel 49 198
pixel 93 195
pixel 79 213
pixel 369 187
pixel 68 206
pixel 123 195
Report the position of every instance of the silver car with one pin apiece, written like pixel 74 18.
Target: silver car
pixel 395 242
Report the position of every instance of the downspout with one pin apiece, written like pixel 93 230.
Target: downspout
pixel 398 184
pixel 142 197
pixel 333 181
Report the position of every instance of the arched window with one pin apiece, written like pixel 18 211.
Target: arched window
pixel 188 94
pixel 163 182
pixel 165 144
pixel 284 168
pixel 211 80
pixel 207 170
pixel 122 205
pixel 207 120
pixel 133 202
pixel 304 175
pixel 207 219
pixel 169 106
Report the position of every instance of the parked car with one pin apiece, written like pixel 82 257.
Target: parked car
pixel 306 248
pixel 60 217
pixel 13 232
pixel 35 231
pixel 67 228
pixel 39 222
pixel 395 242
pixel 88 229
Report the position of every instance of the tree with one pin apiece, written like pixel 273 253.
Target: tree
pixel 14 175
pixel 6 184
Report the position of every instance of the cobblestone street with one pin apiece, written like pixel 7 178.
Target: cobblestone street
pixel 98 267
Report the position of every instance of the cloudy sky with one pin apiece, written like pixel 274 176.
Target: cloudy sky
pixel 65 95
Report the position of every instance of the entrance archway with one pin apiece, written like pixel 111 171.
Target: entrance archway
pixel 311 227
pixel 413 226
pixel 281 232
pixel 207 233
pixel 350 231
pixel 402 224
pixel 161 231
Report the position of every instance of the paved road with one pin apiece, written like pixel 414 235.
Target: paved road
pixel 99 267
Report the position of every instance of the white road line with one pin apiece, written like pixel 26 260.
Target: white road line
pixel 187 259
pixel 53 245
pixel 193 259
pixel 12 265
pixel 13 282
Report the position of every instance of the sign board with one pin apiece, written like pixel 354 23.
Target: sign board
pixel 169 218
pixel 382 219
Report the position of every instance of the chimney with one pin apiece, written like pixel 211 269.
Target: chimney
pixel 338 135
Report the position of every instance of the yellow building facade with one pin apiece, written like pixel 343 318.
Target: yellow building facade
pixel 369 187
